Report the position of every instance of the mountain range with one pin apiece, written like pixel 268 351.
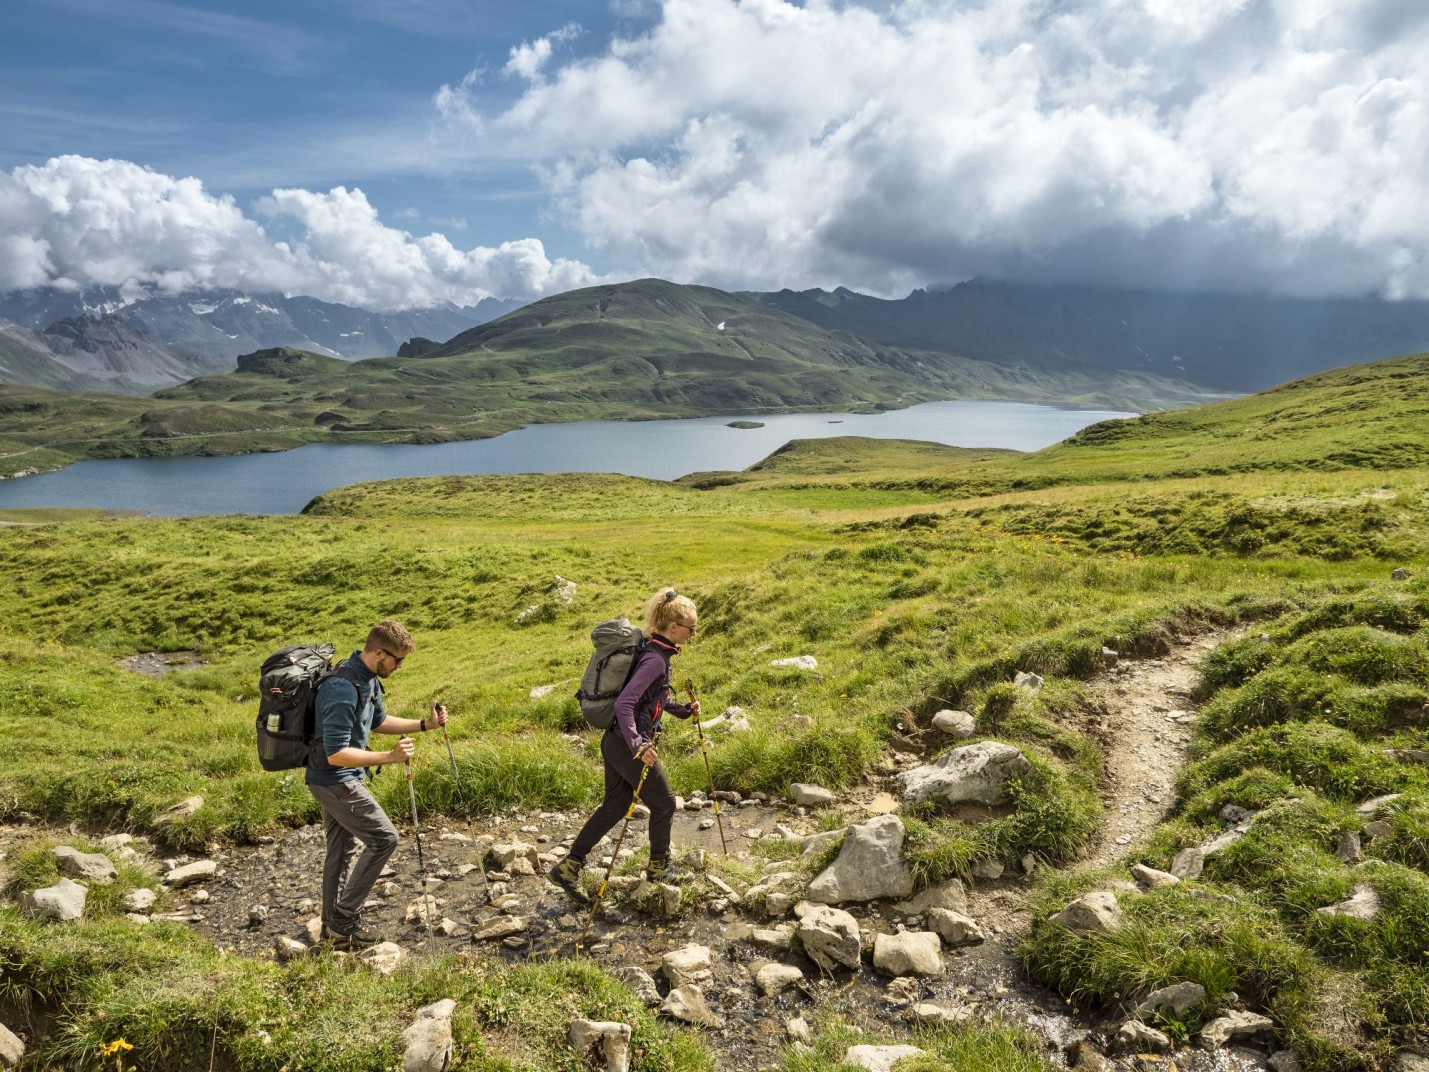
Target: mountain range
pixel 135 346
pixel 1227 342
pixel 633 350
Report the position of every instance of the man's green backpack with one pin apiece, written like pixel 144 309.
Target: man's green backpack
pixel 617 643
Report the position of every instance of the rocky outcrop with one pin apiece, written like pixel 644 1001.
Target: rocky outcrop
pixel 1096 913
pixel 429 1038
pixel 610 1037
pixel 830 937
pixel 908 953
pixel 869 866
pixel 977 772
pixel 63 902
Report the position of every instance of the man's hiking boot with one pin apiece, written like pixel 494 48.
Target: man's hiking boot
pixel 567 875
pixel 350 934
pixel 664 871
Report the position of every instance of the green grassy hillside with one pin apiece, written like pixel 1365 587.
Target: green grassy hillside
pixel 637 350
pixel 920 577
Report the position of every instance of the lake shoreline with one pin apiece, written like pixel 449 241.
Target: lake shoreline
pixel 263 480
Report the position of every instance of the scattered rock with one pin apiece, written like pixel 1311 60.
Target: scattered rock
pixel 811 796
pixel 975 772
pixel 1400 574
pixel 429 1038
pixel 830 937
pixel 691 964
pixel 908 953
pixel 869 866
pixel 955 929
pixel 798 662
pixel 1236 1027
pixel 951 895
pixel 1377 829
pixel 776 978
pixel 815 843
pixel 1136 1037
pixel 1349 849
pixel 93 867
pixel 1086 1057
pixel 878 1058
pixel 640 983
pixel 539 692
pixel 798 1030
pixel 1189 863
pixel 12 1050
pixel 286 949
pixel 612 1038
pixel 1369 807
pixel 1363 904
pixel 688 1003
pixel 929 1012
pixel 189 874
pixel 1027 680
pixel 1151 878
pixel 1093 912
pixel 182 810
pixel 988 869
pixel 62 902
pixel 955 723
pixel 1234 813
pixel 384 957
pixel 499 927
pixel 1286 1061
pixel 1179 998
pixel 139 900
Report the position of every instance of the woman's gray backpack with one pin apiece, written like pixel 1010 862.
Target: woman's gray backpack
pixel 617 643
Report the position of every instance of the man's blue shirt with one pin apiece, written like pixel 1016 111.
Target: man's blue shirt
pixel 344 716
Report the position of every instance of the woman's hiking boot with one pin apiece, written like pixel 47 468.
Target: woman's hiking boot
pixel 666 872
pixel 350 934
pixel 567 875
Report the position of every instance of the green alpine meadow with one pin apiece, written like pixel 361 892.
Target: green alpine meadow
pixel 1292 524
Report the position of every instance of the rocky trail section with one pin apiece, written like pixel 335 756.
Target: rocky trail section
pixel 758 948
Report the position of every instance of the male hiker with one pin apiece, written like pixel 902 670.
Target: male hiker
pixel 360 837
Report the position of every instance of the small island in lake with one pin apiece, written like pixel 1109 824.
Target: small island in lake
pixel 745 424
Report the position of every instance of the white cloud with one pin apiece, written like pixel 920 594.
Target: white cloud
pixel 75 222
pixel 527 59
pixel 1253 143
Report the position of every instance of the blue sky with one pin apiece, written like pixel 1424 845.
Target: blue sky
pixel 261 95
pixel 396 154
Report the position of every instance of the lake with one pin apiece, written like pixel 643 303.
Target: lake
pixel 284 483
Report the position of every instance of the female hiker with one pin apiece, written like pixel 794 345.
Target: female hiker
pixel 628 747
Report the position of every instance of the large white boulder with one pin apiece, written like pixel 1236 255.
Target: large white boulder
pixel 869 866
pixel 830 937
pixel 977 772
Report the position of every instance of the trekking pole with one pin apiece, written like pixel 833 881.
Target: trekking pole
pixel 456 774
pixel 614 856
pixel 705 751
pixel 421 862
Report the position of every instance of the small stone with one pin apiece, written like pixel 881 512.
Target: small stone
pixel 93 867
pixel 1378 829
pixel 286 949
pixel 640 983
pixel 1349 849
pixel 140 900
pixel 182 810
pixel 988 869
pixel 1136 1037
pixel 811 796
pixel 878 1058
pixel 199 871
pixel 955 723
pixel 688 1003
pixel 1236 1027
pixel 798 662
pixel 384 957
pixel 611 1037
pixel 1179 998
pixel 1400 574
pixel 798 1030
pixel 12 1050
pixel 1093 912
pixel 257 915
pixel 499 927
pixel 1152 878
pixel 908 953
pixel 691 964
pixel 1027 680
pixel 1189 863
pixel 773 979
pixel 929 1012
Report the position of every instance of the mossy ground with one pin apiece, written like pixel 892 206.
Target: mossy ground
pixel 915 589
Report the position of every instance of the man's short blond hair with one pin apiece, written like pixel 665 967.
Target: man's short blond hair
pixel 392 637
